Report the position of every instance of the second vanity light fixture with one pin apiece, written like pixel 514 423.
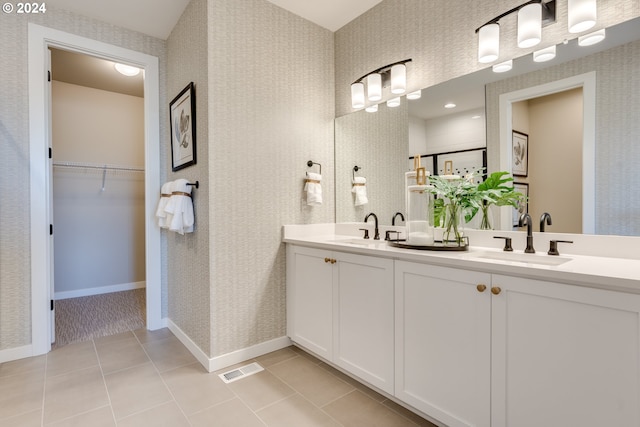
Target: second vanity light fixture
pixel 393 75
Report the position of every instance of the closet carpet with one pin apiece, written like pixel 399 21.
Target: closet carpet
pixel 86 318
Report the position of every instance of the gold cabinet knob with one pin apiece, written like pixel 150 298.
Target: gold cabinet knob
pixel 496 290
pixel 327 260
pixel 333 261
pixel 481 288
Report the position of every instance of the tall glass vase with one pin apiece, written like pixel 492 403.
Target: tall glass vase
pixel 453 223
pixel 486 222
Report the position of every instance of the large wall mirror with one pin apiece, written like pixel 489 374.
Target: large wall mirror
pixel 582 138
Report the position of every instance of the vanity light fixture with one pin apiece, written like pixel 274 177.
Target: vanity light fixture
pixel 393 102
pixel 127 70
pixel 503 67
pixel 415 95
pixel 582 15
pixel 592 38
pixel 372 108
pixel 532 16
pixel 544 55
pixel 393 75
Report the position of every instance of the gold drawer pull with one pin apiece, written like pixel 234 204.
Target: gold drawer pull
pixel 327 260
pixel 496 290
pixel 333 261
pixel 481 288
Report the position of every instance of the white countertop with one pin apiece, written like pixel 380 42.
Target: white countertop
pixel 612 273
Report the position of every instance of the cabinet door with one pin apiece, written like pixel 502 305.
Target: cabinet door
pixel 443 342
pixel 363 328
pixel 309 299
pixel 564 355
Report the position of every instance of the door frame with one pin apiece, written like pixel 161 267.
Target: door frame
pixel 40 39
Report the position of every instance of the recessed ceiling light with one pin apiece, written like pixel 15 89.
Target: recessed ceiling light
pixel 450 105
pixel 475 117
pixel 127 70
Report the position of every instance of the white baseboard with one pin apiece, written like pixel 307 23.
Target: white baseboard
pixel 16 353
pixel 219 362
pixel 99 290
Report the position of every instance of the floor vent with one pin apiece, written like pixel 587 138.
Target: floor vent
pixel 240 373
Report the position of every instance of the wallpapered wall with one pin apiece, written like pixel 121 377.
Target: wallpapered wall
pixel 271 109
pixel 439 35
pixel 15 286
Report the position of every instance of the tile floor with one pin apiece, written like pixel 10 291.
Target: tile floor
pixel 147 378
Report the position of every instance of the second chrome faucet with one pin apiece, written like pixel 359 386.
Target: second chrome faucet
pixel 525 219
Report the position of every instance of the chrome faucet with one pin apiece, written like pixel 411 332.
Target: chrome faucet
pixel 545 218
pixel 377 233
pixel 525 219
pixel 393 220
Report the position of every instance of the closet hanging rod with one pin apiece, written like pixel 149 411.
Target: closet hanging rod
pixel 95 166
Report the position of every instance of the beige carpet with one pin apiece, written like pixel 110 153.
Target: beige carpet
pixel 85 318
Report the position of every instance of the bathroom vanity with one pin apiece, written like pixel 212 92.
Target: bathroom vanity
pixel 475 338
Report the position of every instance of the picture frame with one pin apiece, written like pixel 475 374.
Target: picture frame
pixel 519 154
pixel 182 119
pixel 523 206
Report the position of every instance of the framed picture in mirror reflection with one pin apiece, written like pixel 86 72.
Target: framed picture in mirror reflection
pixel 519 154
pixel 523 205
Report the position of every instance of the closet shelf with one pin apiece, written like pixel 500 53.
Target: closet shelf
pixel 95 166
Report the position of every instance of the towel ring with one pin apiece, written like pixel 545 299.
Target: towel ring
pixel 355 169
pixel 310 163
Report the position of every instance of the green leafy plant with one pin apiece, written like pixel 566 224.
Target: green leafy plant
pixel 495 191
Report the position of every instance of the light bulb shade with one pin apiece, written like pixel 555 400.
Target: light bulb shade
pixel 530 25
pixel 398 79
pixel 374 87
pixel 546 54
pixel 488 43
pixel 357 95
pixel 415 95
pixel 503 67
pixel 127 70
pixel 591 38
pixel 372 108
pixel 393 102
pixel 582 15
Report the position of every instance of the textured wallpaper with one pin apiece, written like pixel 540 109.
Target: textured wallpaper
pixel 188 279
pixel 15 286
pixel 271 109
pixel 617 129
pixel 439 35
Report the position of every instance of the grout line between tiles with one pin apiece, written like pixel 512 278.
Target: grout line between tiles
pixel 104 382
pixel 44 386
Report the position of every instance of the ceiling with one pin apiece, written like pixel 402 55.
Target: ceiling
pixel 158 17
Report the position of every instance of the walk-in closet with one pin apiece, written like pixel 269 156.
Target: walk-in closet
pixel 97 117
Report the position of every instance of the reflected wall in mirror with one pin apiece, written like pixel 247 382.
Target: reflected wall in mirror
pixel 616 153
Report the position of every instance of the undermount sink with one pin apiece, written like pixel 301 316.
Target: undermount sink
pixel 358 241
pixel 523 258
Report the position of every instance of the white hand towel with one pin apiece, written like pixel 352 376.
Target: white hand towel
pixel 181 207
pixel 165 194
pixel 360 190
pixel 168 207
pixel 313 188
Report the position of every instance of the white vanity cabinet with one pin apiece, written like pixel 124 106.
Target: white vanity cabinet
pixel 340 306
pixel 443 342
pixel 564 355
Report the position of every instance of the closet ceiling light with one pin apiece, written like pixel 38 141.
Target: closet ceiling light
pixel 582 15
pixel 392 76
pixel 503 67
pixel 544 55
pixel 127 70
pixel 592 38
pixel 450 105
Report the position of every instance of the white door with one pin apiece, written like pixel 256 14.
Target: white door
pixel 564 355
pixel 51 262
pixel 443 354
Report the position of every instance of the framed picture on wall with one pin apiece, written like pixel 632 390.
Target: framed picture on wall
pixel 523 206
pixel 519 153
pixel 182 118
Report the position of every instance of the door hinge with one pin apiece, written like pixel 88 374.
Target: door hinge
pixel 48 75
pixel 52 305
pixel 50 153
pixel 50 229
